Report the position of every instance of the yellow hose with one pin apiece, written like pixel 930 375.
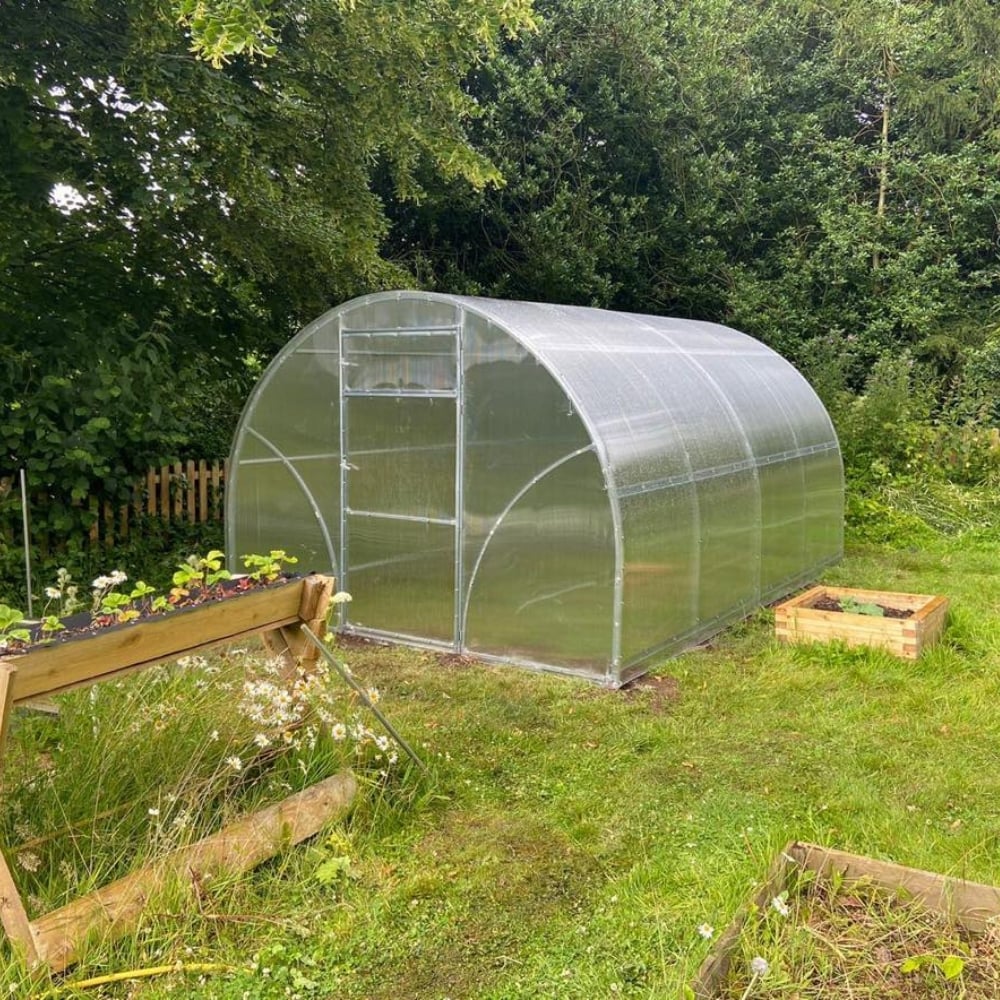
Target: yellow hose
pixel 156 970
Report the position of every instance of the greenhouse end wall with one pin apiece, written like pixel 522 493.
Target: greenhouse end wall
pixel 560 487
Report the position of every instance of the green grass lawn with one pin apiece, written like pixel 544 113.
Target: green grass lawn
pixel 570 840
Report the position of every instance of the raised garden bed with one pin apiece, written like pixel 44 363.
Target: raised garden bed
pixel 906 625
pixel 89 655
pixel 830 924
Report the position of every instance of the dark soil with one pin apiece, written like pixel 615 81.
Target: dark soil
pixel 662 691
pixel 832 604
pixel 84 624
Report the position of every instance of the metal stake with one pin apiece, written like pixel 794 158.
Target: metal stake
pixel 27 538
pixel 348 677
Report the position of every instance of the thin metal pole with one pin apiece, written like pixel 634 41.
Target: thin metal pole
pixel 348 677
pixel 27 538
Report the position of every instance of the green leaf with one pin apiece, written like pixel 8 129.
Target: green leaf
pixel 911 964
pixel 952 967
pixel 333 870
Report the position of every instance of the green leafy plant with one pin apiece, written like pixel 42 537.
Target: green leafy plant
pixel 267 569
pixel 336 868
pixel 853 607
pixel 199 573
pixel 951 966
pixel 52 623
pixel 11 626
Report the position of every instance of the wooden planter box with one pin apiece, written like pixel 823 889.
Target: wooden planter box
pixel 101 655
pixel 972 905
pixel 797 620
pixel 276 612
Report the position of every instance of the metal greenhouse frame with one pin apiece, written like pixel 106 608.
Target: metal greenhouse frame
pixel 560 487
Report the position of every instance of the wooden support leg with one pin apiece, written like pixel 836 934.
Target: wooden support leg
pixel 7 672
pixel 13 916
pixel 288 643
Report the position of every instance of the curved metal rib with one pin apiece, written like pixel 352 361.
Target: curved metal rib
pixel 496 524
pixel 305 489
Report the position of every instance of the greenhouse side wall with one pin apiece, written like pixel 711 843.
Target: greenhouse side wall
pixel 283 491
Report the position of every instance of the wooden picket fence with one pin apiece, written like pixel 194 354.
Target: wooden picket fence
pixel 191 491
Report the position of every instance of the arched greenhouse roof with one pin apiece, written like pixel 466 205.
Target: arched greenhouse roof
pixel 558 486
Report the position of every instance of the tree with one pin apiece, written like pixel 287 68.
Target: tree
pixel 167 223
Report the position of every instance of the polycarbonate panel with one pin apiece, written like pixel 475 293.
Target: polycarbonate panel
pixel 401 576
pixel 824 500
pixel 729 545
pixel 542 584
pixel 783 524
pixel 517 422
pixel 400 311
pixel 420 362
pixel 660 593
pixel 274 512
pixel 299 413
pixel 401 455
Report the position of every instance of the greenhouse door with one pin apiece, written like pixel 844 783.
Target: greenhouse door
pixel 399 408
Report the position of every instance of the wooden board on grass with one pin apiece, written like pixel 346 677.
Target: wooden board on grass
pixel 970 904
pixel 117 908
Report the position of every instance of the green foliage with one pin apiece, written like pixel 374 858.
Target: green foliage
pixel 854 607
pixel 269 567
pixel 11 626
pixel 221 29
pixel 153 549
pixel 167 224
pixel 950 966
pixel 200 573
pixel 562 822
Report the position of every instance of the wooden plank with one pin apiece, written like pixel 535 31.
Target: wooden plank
pixel 936 607
pixel 164 498
pixel 112 652
pixel 972 904
pixel 178 489
pixel 218 479
pixel 117 909
pixel 7 672
pixel 151 481
pixel 202 490
pixel 189 490
pixel 713 971
pixel 108 523
pixel 288 643
pixel 14 917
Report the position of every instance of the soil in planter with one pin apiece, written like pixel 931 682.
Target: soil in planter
pixel 826 603
pixel 853 940
pixel 85 623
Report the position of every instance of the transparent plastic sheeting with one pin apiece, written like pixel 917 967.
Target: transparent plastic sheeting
pixel 560 487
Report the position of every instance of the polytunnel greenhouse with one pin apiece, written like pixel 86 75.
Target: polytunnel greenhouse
pixel 559 487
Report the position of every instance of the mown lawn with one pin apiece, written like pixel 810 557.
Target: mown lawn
pixel 570 840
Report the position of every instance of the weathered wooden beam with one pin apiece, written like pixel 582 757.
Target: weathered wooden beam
pixel 117 908
pixel 14 917
pixel 63 666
